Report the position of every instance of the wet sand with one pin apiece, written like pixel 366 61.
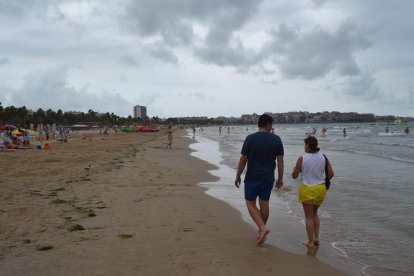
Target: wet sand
pixel 122 204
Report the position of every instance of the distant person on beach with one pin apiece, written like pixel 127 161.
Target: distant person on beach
pixel 344 132
pixel 387 130
pixel 194 130
pixel 260 152
pixel 46 133
pixel 323 132
pixel 313 190
pixel 407 130
pixel 169 137
pixel 26 137
pixel 220 130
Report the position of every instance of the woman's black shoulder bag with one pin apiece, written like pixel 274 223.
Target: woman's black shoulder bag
pixel 327 181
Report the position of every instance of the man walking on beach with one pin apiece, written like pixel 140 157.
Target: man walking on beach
pixel 260 152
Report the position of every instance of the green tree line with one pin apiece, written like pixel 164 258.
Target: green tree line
pixel 23 117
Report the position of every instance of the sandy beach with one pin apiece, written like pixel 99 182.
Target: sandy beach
pixel 124 205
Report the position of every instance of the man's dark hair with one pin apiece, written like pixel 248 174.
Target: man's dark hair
pixel 265 120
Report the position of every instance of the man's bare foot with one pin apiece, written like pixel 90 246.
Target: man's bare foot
pixel 309 244
pixel 262 235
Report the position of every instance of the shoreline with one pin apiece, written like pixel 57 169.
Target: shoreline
pixel 141 209
pixel 288 229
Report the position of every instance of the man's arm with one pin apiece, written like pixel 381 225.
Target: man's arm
pixel 240 169
pixel 280 169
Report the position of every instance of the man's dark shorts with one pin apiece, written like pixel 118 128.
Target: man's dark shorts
pixel 258 188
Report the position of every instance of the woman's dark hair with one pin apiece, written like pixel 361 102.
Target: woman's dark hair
pixel 265 120
pixel 312 142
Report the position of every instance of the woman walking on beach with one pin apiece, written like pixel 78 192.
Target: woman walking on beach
pixel 169 137
pixel 313 190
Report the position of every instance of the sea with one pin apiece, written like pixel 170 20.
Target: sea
pixel 367 218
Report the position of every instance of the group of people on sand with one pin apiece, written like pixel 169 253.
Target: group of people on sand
pixel 9 141
pixel 262 152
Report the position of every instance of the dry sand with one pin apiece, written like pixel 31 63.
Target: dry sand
pixel 141 209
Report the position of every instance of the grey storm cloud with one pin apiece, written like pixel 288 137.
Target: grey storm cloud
pixel 129 60
pixel 305 54
pixel 173 22
pixel 13 8
pixel 4 60
pixel 365 87
pixel 319 3
pixel 50 89
pixel 313 54
pixel 161 52
pixel 149 98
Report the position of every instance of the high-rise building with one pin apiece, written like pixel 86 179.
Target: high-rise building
pixel 140 111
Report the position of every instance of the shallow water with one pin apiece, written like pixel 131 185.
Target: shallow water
pixel 367 218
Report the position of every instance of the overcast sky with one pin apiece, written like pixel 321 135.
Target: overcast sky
pixel 208 57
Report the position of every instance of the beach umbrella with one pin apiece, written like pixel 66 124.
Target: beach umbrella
pixel 11 127
pixel 7 127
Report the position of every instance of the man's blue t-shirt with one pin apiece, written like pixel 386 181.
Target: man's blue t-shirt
pixel 261 148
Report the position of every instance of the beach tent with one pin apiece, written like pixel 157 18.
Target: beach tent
pixel 80 126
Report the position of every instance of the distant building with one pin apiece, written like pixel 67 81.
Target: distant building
pixel 140 111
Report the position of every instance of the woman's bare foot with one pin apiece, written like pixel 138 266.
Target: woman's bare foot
pixel 309 244
pixel 262 235
pixel 316 242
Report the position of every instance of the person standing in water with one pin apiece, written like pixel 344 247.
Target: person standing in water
pixel 260 152
pixel 344 132
pixel 313 190
pixel 169 137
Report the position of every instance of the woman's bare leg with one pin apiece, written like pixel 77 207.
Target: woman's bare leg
pixel 309 222
pixel 316 223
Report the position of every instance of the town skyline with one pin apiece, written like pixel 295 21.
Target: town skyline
pixel 22 116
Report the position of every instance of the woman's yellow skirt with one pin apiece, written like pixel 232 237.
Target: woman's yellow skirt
pixel 312 194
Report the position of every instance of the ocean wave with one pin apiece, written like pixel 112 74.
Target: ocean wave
pixel 391 144
pixel 395 158
pixel 391 134
pixel 335 246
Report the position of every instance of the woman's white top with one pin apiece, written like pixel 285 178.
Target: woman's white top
pixel 313 169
